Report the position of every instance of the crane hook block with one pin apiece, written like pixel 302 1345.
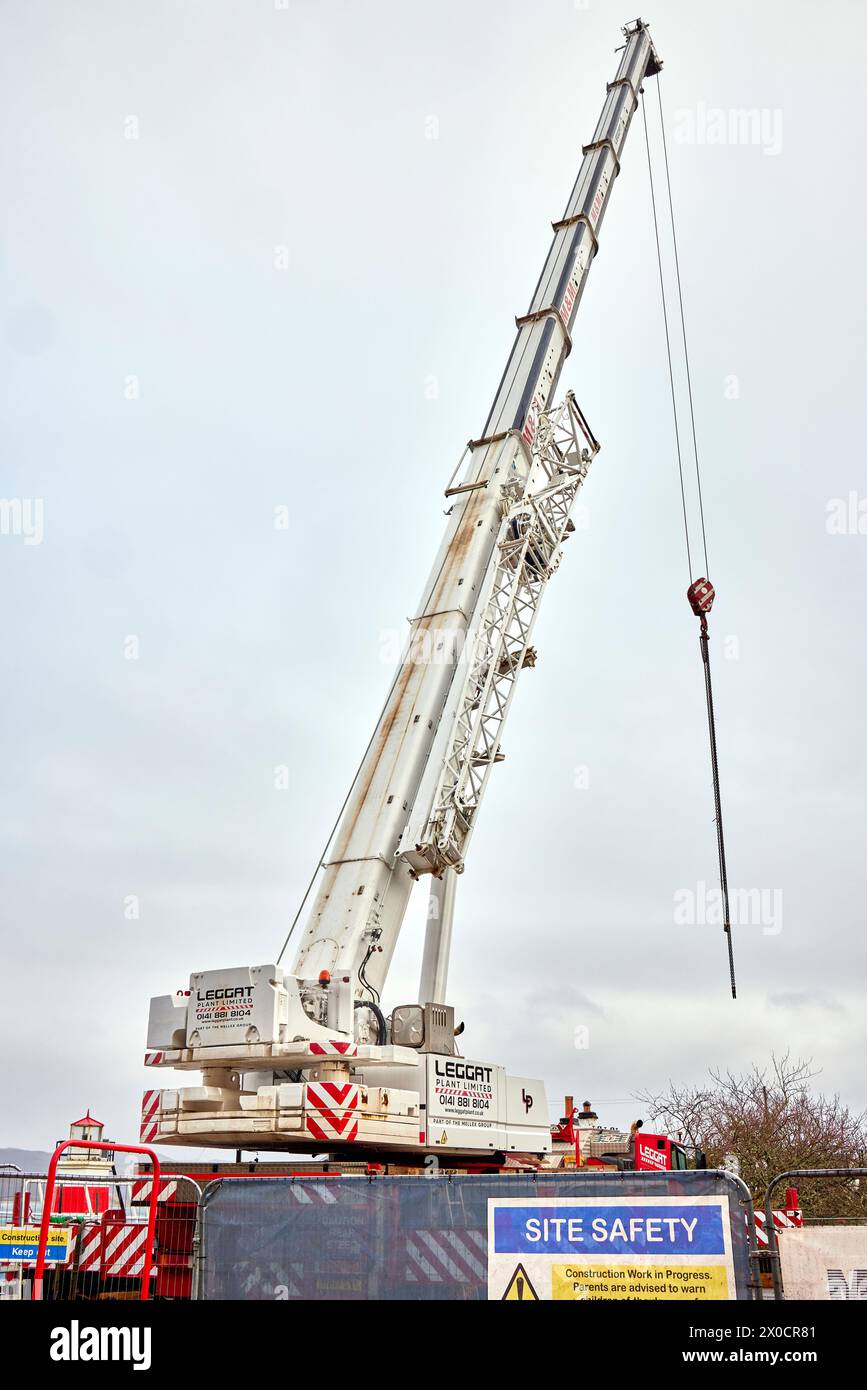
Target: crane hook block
pixel 701 595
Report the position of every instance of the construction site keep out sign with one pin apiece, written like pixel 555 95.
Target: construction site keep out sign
pixel 21 1243
pixel 601 1248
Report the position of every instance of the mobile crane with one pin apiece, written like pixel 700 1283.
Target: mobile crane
pixel 305 1060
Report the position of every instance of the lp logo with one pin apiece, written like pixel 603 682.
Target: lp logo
pixel 527 1100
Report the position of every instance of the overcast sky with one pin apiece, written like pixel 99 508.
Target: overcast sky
pixel 259 255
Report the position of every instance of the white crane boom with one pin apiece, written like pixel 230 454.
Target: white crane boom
pixel 406 813
pixel 269 1041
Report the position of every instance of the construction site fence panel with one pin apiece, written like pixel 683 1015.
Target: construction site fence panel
pixel 98 1237
pixel 824 1262
pixel 668 1236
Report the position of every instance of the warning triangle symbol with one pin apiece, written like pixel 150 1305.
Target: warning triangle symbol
pixel 519 1289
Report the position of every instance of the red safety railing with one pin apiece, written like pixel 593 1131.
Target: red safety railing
pixel 48 1203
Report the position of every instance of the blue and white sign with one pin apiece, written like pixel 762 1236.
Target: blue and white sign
pixel 609 1247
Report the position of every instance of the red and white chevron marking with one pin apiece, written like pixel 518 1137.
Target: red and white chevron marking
pixel 86 1235
pixel 150 1105
pixel 446 1257
pixel 153 1059
pixel 334 1049
pixel 88 1238
pixel 783 1220
pixel 123 1250
pixel 310 1194
pixel 141 1191
pixel 330 1110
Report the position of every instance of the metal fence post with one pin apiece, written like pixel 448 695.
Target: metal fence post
pixel 199 1236
pixel 752 1238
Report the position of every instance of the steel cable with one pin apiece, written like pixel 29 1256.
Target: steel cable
pixel 704 639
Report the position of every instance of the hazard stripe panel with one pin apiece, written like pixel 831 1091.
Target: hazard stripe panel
pixel 783 1220
pixel 123 1250
pixel 334 1049
pixel 141 1191
pixel 446 1257
pixel 90 1244
pixel 149 1109
pixel 330 1110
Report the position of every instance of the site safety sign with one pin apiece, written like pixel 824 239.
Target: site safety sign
pixel 21 1244
pixel 594 1248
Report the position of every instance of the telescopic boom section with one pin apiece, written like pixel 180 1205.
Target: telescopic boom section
pixel 413 802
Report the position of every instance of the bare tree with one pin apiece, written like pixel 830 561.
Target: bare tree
pixel 773 1120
